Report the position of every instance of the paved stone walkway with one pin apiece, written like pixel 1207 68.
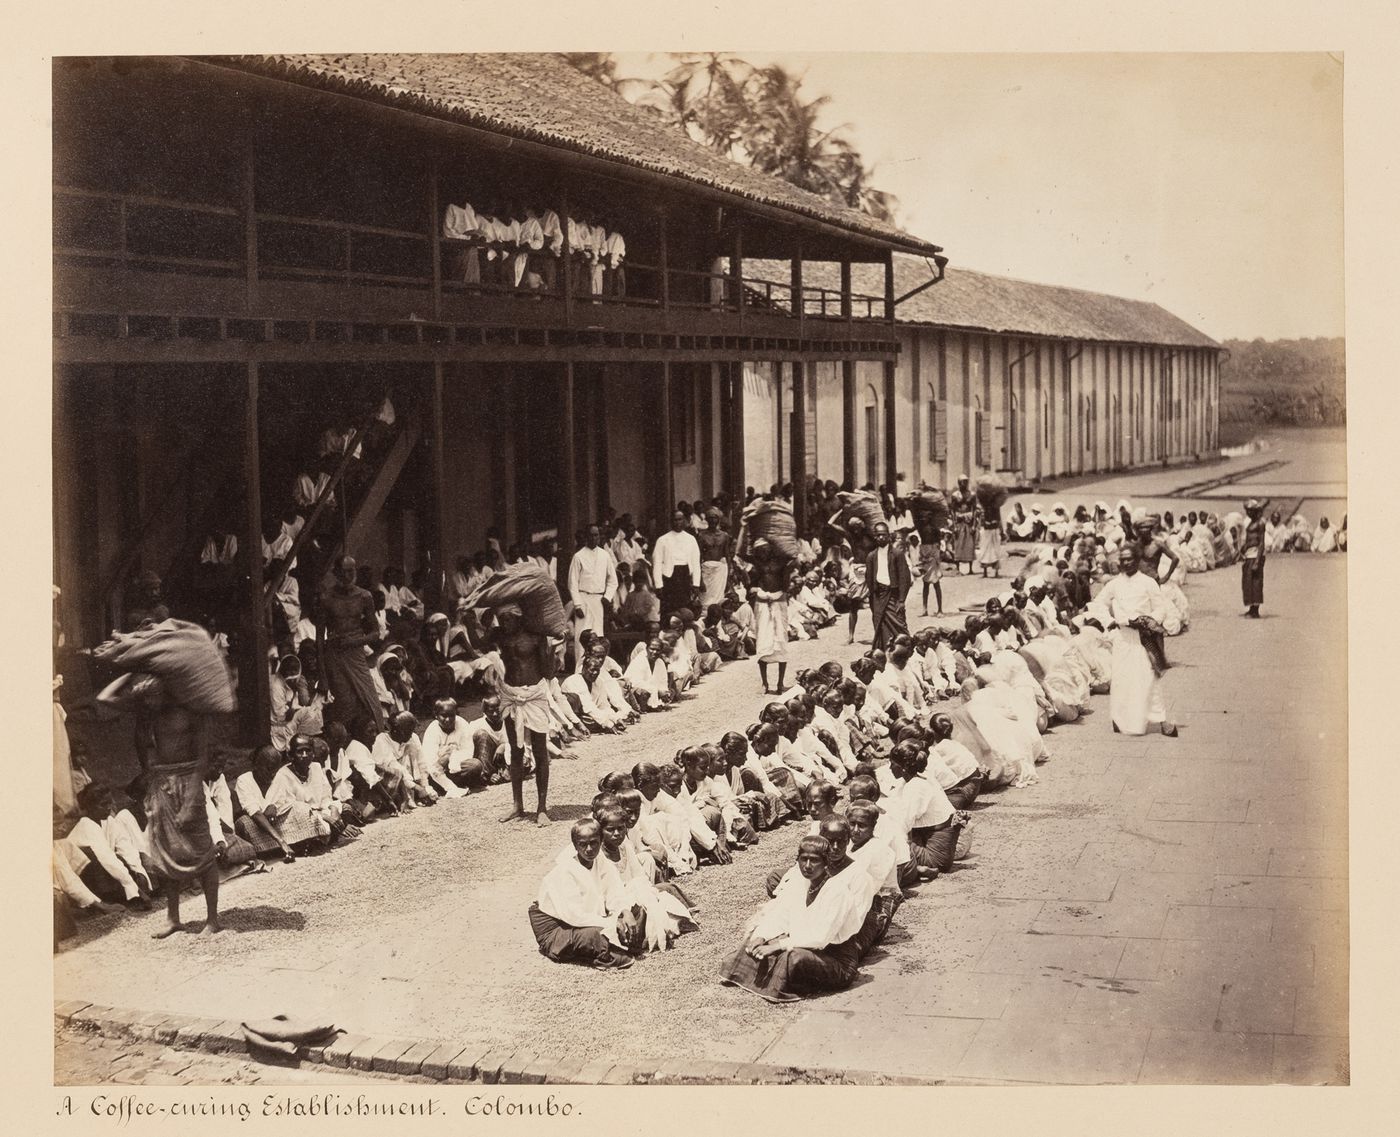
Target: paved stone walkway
pixel 1153 910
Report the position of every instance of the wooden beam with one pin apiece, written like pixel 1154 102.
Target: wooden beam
pixel 799 303
pixel 666 481
pixel 849 473
pixel 252 664
pixel 248 209
pixel 438 548
pixel 434 236
pixel 736 426
pixel 568 531
pixel 566 273
pixel 798 473
pixel 736 270
pixel 663 267
pixel 778 384
pixel 891 427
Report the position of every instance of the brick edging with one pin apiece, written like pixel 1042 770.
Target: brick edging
pixel 449 1062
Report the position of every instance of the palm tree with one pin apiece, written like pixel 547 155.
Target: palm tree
pixel 706 95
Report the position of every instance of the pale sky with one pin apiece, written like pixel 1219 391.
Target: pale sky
pixel 1210 184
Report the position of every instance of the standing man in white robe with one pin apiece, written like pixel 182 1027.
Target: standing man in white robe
pixel 1133 600
pixel 592 581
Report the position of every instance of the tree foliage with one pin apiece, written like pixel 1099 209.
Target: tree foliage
pixel 1297 382
pixel 759 116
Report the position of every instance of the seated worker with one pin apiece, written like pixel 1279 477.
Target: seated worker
pixel 685 785
pixel 876 858
pixel 610 687
pixel 889 826
pixel 737 826
pixel 445 747
pixel 594 702
pixel 307 812
pixel 398 756
pixel 87 854
pixel 933 823
pixel 963 780
pixel 765 741
pixel 756 792
pixel 799 942
pixel 642 608
pixel 231 851
pixel 663 826
pixel 255 820
pixel 669 912
pixel 648 676
pixel 582 914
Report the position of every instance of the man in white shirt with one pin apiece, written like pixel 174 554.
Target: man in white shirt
pixel 627 547
pixel 446 745
pixel 592 581
pixel 675 566
pixel 594 703
pixel 399 757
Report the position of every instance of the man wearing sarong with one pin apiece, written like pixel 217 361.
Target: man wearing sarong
pixel 962 504
pixel 348 625
pixel 1252 557
pixel 1133 601
pixel 174 677
pixel 715 547
pixel 675 565
pixel 769 581
pixel 529 662
pixel 582 913
pixel 887 574
pixel 801 942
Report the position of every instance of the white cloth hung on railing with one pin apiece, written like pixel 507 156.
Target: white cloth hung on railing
pixel 552 230
pixel 461 223
pixel 615 249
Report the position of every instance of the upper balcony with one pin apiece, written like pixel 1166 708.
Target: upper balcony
pixel 244 200
pixel 140 260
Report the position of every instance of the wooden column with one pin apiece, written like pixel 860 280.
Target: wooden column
pixel 799 304
pixel 568 529
pixel 798 472
pixel 252 664
pixel 438 549
pixel 725 477
pixel 665 483
pixel 736 270
pixel 663 265
pixel 248 208
pixel 434 236
pixel 891 418
pixel 705 413
pixel 778 384
pixel 566 260
pixel 848 391
pixel 736 430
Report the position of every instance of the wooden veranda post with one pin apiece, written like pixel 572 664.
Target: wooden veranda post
pixel 439 475
pixel 891 418
pixel 252 665
pixel 798 446
pixel 848 391
pixel 569 530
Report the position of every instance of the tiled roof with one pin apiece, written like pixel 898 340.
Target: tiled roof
pixel 540 97
pixel 977 301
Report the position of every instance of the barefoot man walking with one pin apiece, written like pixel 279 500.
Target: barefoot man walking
pixel 529 664
pixel 174 679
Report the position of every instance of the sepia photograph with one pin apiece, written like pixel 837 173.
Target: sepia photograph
pixel 711 568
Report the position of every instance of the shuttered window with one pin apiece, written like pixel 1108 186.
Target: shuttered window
pixel 984 441
pixel 939 430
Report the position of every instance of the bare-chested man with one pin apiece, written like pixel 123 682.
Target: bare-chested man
pixel 529 662
pixel 347 625
pixel 174 750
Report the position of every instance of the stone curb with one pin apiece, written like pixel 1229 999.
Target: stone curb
pixel 459 1063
